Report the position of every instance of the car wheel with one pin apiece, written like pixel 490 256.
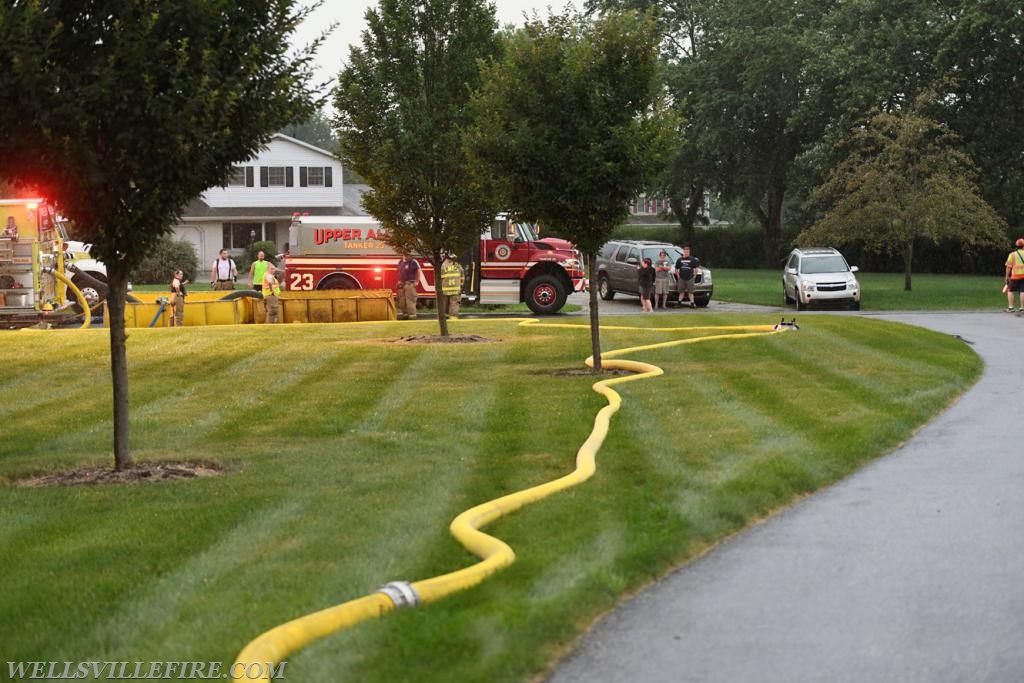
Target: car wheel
pixel 545 294
pixel 786 298
pixel 702 301
pixel 855 306
pixel 796 301
pixel 604 288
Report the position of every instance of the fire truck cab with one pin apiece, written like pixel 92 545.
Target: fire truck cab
pixel 510 263
pixel 38 263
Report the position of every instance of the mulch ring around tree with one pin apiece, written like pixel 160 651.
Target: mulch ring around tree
pixel 141 473
pixel 575 372
pixel 438 339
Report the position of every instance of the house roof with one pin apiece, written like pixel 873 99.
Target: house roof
pixel 198 210
pixel 308 146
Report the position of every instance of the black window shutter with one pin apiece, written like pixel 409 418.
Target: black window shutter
pixel 327 176
pixel 289 176
pixel 302 176
pixel 249 182
pixel 264 177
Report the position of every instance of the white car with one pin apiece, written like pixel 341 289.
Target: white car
pixel 819 276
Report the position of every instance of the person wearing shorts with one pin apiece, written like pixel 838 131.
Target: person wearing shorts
pixel 687 267
pixel 662 280
pixel 1015 277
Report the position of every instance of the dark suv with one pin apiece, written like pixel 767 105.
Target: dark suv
pixel 617 269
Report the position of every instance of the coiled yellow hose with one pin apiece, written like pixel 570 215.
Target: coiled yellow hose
pixel 273 646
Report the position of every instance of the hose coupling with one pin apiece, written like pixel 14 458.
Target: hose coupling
pixel 401 593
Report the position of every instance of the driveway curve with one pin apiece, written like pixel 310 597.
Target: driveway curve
pixel 912 569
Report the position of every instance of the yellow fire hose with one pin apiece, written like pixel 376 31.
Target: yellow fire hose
pixel 82 301
pixel 273 646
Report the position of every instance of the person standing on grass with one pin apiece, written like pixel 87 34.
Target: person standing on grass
pixel 662 279
pixel 177 302
pixel 453 270
pixel 687 268
pixel 257 270
pixel 1015 277
pixel 271 291
pixel 223 272
pixel 647 275
pixel 408 274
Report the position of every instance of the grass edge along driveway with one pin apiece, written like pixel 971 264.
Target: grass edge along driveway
pixel 349 475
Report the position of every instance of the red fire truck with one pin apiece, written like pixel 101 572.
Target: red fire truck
pixel 510 264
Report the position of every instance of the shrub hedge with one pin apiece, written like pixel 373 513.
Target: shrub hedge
pixel 168 255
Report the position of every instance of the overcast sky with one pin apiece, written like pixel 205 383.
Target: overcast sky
pixel 348 15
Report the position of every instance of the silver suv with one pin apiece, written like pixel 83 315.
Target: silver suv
pixel 617 270
pixel 816 276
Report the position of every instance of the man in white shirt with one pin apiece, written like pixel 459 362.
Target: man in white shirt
pixel 224 272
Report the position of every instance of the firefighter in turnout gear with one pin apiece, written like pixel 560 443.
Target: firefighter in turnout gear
pixel 453 277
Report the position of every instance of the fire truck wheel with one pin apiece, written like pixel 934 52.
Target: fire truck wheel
pixel 338 282
pixel 605 288
pixel 93 289
pixel 545 294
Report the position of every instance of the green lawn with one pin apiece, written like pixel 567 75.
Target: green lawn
pixel 348 455
pixel 879 291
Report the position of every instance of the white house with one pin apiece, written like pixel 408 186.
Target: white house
pixel 288 176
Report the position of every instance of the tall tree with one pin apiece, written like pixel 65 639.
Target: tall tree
pixel 122 111
pixel 981 53
pixel 690 171
pixel 401 103
pixel 906 179
pixel 569 125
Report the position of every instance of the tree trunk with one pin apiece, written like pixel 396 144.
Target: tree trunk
pixel 686 213
pixel 440 298
pixel 908 258
pixel 595 322
pixel 117 295
pixel 771 222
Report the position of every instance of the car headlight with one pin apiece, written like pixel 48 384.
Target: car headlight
pixel 806 286
pixel 705 276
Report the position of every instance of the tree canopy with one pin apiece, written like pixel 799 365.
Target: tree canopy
pixel 570 125
pixel 122 111
pixel 905 179
pixel 401 103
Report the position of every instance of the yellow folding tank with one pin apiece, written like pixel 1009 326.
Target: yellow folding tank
pixel 209 308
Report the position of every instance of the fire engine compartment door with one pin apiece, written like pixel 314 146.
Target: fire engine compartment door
pixel 499 291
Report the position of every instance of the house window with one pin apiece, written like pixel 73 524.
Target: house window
pixel 315 176
pixel 237 178
pixel 241 235
pixel 277 176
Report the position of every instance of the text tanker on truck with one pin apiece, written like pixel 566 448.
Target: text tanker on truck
pixel 510 263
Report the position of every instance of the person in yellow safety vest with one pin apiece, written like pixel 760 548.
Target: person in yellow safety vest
pixel 453 277
pixel 271 292
pixel 1015 277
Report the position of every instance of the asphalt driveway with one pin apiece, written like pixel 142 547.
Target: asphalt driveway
pixel 910 570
